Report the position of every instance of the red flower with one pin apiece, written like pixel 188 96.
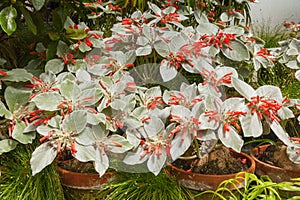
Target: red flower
pixel 88 42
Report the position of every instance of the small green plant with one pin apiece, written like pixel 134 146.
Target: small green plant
pixel 17 183
pixel 269 34
pixel 254 188
pixel 143 187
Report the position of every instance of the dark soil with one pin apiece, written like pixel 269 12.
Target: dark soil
pixel 220 161
pixel 76 166
pixel 276 155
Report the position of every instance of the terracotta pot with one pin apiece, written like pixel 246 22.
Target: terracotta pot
pixel 202 182
pixel 84 181
pixel 276 174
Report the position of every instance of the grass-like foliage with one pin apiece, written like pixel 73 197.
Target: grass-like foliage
pixel 256 188
pixel 17 183
pixel 145 186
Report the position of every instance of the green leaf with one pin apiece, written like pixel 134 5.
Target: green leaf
pixel 285 113
pixel 7 20
pixel 243 88
pixel 42 157
pixel 126 104
pixel 90 97
pixel 59 17
pixel 201 17
pixel 86 137
pixel 95 119
pixel 2 61
pixel 97 43
pixel 179 146
pixel 76 121
pixel 167 72
pixel 133 122
pixel 18 133
pixel 297 75
pixel 44 129
pixel 4 112
pixel 154 8
pixel 251 125
pixel 38 4
pixel 207 28
pixel 226 17
pixel 15 98
pixel 293 64
pixel 85 153
pixel 143 51
pixel 62 48
pixel 7 145
pixel 154 127
pixel 48 101
pixel 236 51
pixel 231 139
pixel 234 30
pixel 17 75
pixel 292 153
pixel 280 133
pixel 156 162
pixel 118 144
pixel 83 47
pixel 55 66
pixel 134 157
pixel 162 48
pixel 69 90
pixel 101 162
pixel 269 91
pixel 75 34
pixel 28 19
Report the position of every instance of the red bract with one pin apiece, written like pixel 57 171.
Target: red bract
pixel 3 73
pixel 177 100
pixel 211 78
pixel 40 87
pixel 68 58
pixel 171 3
pixel 88 42
pixel 131 86
pixel 93 4
pixel 73 148
pixel 265 54
pixel 154 102
pixel 265 107
pixel 127 21
pixel 217 40
pixel 114 8
pixel 42 54
pixel 175 59
pixel 202 4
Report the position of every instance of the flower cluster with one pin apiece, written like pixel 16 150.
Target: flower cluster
pixel 88 100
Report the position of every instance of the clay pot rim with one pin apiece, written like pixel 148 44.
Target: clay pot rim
pixel 250 169
pixel 83 173
pixel 262 148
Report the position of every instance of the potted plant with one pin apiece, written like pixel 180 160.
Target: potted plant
pixel 88 103
pixel 280 161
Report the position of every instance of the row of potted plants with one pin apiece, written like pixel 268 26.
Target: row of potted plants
pixel 125 101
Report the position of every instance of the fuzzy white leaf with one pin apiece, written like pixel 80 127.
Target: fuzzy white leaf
pixel 156 162
pixel 231 139
pixel 42 156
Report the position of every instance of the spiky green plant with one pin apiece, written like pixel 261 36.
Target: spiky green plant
pixel 17 183
pixel 145 186
pixel 255 188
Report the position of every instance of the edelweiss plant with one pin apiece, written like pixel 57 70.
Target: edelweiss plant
pixel 87 101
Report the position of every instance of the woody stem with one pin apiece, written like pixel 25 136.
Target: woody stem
pixel 197 148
